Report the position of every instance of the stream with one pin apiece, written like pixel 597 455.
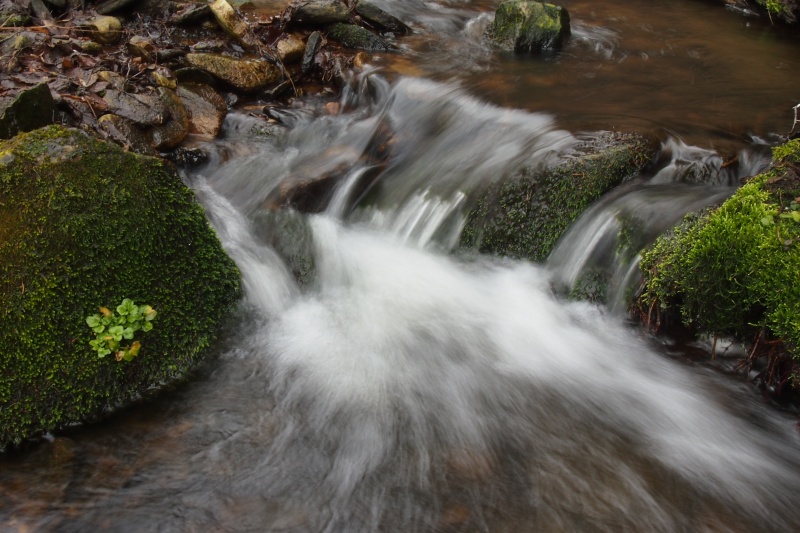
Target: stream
pixel 407 385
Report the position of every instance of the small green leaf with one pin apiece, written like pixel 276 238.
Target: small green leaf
pixel 93 320
pixel 767 221
pixel 796 216
pixel 99 329
pixel 128 333
pixel 147 326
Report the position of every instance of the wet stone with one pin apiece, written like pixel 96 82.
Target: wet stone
pixel 230 21
pixel 290 49
pixel 356 37
pixel 111 6
pixel 29 110
pixel 142 47
pixel 105 30
pixel 172 133
pixel 126 133
pixel 143 109
pixel 248 75
pixel 321 13
pixel 205 108
pixel 380 19
pixel 528 26
pixel 194 14
pixel 312 45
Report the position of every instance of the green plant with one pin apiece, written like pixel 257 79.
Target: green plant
pixel 111 328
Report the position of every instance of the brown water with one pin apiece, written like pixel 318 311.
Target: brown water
pixel 407 390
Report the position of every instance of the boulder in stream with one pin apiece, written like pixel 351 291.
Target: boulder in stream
pixel 358 38
pixel 85 225
pixel 205 107
pixel 320 13
pixel 523 217
pixel 528 26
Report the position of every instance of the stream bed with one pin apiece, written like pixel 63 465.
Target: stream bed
pixel 408 386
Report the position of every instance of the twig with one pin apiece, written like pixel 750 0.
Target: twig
pixel 794 124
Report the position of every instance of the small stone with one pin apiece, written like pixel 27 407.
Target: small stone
pixel 172 133
pixel 205 107
pixel 194 75
pixel 142 47
pixel 249 75
pixel 109 6
pixel 146 110
pixel 115 79
pixel 194 14
pixel 232 23
pixel 380 18
pixel 312 45
pixel 163 77
pixel 105 30
pixel 290 49
pixel 126 133
pixel 321 13
pixel 353 36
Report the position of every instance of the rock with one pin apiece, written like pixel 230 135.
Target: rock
pixel 18 42
pixel 142 47
pixel 13 16
pixel 188 157
pixel 380 19
pixel 86 225
pixel 232 23
pixel 115 79
pixel 174 131
pixel 321 13
pixel 312 45
pixel 30 109
pixel 105 30
pixel 193 14
pixel 110 6
pixel 89 47
pixel 290 49
pixel 59 4
pixel 205 107
pixel 194 75
pixel 248 75
pixel 356 37
pixel 41 11
pixel 524 216
pixel 163 77
pixel 528 26
pixel 289 234
pixel 143 109
pixel 125 132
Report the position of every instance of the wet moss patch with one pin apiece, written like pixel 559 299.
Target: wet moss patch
pixel 85 225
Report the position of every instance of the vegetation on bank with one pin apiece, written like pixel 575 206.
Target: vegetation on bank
pixel 84 225
pixel 735 270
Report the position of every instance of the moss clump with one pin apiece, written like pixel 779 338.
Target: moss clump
pixel 734 270
pixel 524 217
pixel 82 225
pixel 528 26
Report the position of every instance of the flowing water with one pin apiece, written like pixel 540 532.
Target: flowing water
pixel 407 386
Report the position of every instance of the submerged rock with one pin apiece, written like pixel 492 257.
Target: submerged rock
pixel 356 37
pixel 523 217
pixel 85 225
pixel 249 75
pixel 30 109
pixel 528 26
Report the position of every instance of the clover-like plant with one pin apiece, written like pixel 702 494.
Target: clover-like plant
pixel 112 328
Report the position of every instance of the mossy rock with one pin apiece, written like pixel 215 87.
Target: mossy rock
pixel 83 225
pixel 735 270
pixel 527 26
pixel 524 217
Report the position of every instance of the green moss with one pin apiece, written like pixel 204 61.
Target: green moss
pixel 528 26
pixel 524 217
pixel 85 225
pixel 734 270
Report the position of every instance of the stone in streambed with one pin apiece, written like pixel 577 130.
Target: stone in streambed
pixel 524 216
pixel 143 109
pixel 312 46
pixel 248 75
pixel 528 26
pixel 172 133
pixel 29 110
pixel 105 30
pixel 321 13
pixel 358 38
pixel 230 21
pixel 290 49
pixel 109 6
pixel 205 107
pixel 380 18
pixel 126 133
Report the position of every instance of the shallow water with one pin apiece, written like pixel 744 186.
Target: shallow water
pixel 405 388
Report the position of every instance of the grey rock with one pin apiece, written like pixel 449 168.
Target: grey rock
pixel 194 14
pixel 321 13
pixel 147 110
pixel 29 110
pixel 126 133
pixel 312 45
pixel 380 19
pixel 174 131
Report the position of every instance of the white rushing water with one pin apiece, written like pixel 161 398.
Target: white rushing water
pixel 417 391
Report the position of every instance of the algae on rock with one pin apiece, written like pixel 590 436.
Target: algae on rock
pixel 83 225
pixel 529 26
pixel 525 216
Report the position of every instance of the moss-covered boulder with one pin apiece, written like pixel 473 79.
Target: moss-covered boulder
pixel 523 217
pixel 528 26
pixel 84 225
pixel 735 270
